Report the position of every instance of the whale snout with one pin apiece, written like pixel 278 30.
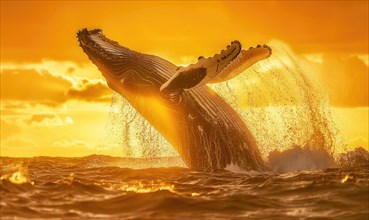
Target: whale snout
pixel 83 37
pixel 88 43
pixel 104 53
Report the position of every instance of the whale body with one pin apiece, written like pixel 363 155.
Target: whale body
pixel 207 132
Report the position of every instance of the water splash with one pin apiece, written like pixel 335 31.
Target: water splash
pixel 128 129
pixel 357 157
pixel 18 175
pixel 283 105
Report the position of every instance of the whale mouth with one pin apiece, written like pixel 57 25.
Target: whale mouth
pixel 99 48
pixel 89 46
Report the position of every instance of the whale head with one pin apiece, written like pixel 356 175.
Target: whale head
pixel 124 69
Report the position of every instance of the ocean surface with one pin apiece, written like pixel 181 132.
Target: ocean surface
pixel 100 187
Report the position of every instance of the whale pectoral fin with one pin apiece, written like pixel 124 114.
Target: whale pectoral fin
pixel 184 80
pixel 203 71
pixel 243 61
pixel 218 68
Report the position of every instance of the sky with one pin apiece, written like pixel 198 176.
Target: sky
pixel 54 102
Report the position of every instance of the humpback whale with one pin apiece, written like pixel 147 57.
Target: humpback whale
pixel 207 132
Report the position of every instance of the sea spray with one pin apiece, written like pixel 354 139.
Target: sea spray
pixel 129 130
pixel 283 105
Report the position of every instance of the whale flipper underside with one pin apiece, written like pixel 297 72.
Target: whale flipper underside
pixel 218 68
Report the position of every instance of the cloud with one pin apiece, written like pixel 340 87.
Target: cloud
pixel 17 142
pixel 42 87
pixel 90 90
pixel 345 80
pixel 71 144
pixel 34 87
pixel 48 120
pixel 18 146
pixel 359 142
pixel 8 130
pixel 12 106
pixel 66 68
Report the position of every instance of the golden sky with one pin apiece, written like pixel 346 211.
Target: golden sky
pixel 55 102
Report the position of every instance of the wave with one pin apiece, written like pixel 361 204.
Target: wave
pixel 90 187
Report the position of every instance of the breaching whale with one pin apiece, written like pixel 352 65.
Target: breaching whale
pixel 207 132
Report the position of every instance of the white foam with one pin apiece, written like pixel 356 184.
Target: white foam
pixel 299 158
